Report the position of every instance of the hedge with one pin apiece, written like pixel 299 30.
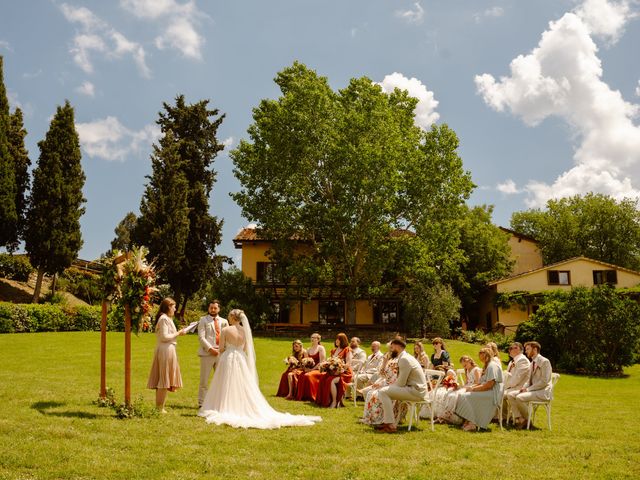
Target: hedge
pixel 15 267
pixel 19 318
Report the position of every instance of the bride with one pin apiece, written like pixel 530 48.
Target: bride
pixel 234 397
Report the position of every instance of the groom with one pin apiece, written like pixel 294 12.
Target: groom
pixel 209 328
pixel 411 384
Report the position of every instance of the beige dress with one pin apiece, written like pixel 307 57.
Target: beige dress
pixel 165 370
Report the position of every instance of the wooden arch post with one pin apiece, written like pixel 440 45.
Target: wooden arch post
pixel 103 343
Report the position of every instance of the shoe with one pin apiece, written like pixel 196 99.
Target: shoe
pixel 389 428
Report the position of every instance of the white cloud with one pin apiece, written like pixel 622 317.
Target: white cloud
pixel 97 36
pixel 178 22
pixel 107 138
pixel 228 142
pixel 6 45
pixel 425 113
pixel 35 74
pixel 562 77
pixel 508 187
pixel 604 18
pixel 489 12
pixel 87 88
pixel 415 15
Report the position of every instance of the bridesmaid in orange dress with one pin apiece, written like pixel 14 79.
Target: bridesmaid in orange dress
pixel 289 379
pixel 332 387
pixel 309 381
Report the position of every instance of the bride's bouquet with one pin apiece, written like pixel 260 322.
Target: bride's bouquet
pixel 449 382
pixel 333 366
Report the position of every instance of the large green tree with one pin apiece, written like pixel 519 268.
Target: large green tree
pixel 346 169
pixel 53 238
pixel 9 217
pixel 592 225
pixel 487 255
pixel 21 163
pixel 124 231
pixel 174 221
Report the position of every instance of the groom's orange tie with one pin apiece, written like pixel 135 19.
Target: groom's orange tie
pixel 217 329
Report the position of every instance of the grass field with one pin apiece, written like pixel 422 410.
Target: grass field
pixel 49 427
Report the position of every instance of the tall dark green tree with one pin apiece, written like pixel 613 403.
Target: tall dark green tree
pixel 193 147
pixel 124 230
pixel 346 169
pixel 53 238
pixel 9 218
pixel 592 225
pixel 21 163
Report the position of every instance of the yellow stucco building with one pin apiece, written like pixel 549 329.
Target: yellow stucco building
pixel 573 272
pixel 323 306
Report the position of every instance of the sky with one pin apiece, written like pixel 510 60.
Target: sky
pixel 544 95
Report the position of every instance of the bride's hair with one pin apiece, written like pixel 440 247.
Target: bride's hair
pixel 238 315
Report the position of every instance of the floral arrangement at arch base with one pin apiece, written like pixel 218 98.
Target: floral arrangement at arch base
pixel 131 282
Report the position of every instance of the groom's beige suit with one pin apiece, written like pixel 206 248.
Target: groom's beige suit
pixel 411 385
pixel 207 327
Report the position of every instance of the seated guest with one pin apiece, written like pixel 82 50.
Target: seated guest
pixel 308 382
pixel 517 372
pixel 446 399
pixel 495 353
pixel 410 385
pixel 421 356
pixel 537 386
pixel 372 414
pixel 334 384
pixel 358 356
pixel 477 404
pixel 472 372
pixel 371 368
pixel 289 379
pixel 440 359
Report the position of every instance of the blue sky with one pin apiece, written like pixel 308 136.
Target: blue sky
pixel 542 109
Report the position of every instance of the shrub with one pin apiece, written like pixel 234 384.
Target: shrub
pixel 478 336
pixel 19 318
pixel 82 284
pixel 15 267
pixel 586 330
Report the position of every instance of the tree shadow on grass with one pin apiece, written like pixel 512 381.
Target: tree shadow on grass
pixel 45 408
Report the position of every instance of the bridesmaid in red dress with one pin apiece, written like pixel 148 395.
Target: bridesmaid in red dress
pixel 289 379
pixel 332 387
pixel 308 382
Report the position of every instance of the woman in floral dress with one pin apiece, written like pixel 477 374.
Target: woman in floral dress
pixel 372 406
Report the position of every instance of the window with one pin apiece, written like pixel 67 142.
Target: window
pixel 386 312
pixel 331 312
pixel 601 277
pixel 559 277
pixel 266 272
pixel 280 312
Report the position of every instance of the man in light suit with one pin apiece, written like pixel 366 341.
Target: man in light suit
pixel 537 386
pixel 371 366
pixel 358 356
pixel 209 328
pixel 517 372
pixel 411 384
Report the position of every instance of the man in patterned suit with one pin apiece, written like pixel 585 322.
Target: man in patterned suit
pixel 209 328
pixel 537 387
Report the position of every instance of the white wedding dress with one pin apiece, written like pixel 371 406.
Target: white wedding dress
pixel 234 397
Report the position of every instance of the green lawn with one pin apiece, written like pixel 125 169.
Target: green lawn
pixel 49 427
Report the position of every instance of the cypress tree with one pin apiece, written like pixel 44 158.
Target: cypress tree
pixel 192 131
pixel 21 163
pixel 53 238
pixel 8 212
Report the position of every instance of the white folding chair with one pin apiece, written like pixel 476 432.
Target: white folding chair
pixel 500 404
pixel 534 404
pixel 414 407
pixel 460 373
pixel 353 388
